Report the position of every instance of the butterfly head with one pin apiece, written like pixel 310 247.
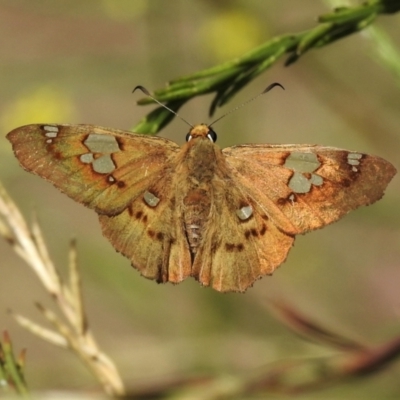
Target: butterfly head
pixel 201 131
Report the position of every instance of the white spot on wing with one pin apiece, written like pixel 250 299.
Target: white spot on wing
pixel 103 145
pixel 245 212
pixel 50 128
pixel 299 183
pixel 97 143
pixel 303 163
pixel 103 164
pixel 51 131
pixel 87 158
pixel 316 180
pixel 353 159
pixel 150 199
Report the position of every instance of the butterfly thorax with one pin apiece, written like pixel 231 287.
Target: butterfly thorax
pixel 200 166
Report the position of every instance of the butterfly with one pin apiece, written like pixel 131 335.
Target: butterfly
pixel 225 217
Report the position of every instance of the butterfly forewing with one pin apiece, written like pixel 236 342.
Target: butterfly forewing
pixel 305 187
pixel 102 168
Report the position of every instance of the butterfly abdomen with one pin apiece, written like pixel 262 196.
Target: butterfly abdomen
pixel 196 212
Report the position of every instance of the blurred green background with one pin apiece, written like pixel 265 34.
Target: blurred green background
pixel 77 62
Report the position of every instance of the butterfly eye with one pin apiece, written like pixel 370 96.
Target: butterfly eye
pixel 188 137
pixel 212 135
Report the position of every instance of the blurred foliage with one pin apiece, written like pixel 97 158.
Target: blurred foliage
pixel 230 77
pixel 223 34
pixel 124 10
pixel 353 361
pixel 386 52
pixel 11 368
pixel 46 103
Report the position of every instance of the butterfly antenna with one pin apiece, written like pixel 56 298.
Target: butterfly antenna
pixel 267 89
pixel 147 93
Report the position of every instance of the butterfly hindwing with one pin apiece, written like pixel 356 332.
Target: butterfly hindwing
pixel 102 168
pixel 241 244
pixel 150 233
pixel 254 249
pixel 302 187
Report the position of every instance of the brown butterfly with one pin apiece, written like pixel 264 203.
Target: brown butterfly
pixel 225 217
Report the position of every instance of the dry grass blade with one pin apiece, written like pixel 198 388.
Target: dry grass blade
pixel 38 237
pixel 76 289
pixel 75 334
pixel 36 329
pixel 20 238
